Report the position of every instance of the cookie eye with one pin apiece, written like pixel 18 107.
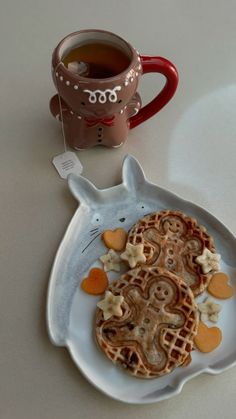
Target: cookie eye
pixel 166 292
pixel 158 288
pixel 119 101
pixel 83 103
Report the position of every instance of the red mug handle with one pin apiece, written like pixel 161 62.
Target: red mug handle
pixel 165 67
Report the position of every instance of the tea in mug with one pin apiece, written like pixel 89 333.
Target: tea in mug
pixel 96 60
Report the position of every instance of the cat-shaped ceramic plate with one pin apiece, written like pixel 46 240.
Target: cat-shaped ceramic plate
pixel 71 312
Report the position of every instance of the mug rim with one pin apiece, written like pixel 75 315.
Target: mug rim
pixel 58 60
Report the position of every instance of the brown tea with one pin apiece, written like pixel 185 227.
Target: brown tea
pixel 101 60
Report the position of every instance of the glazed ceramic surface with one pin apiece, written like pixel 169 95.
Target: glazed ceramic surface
pixel 70 312
pixel 101 111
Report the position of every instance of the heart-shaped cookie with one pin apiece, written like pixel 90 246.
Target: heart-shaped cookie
pixel 96 282
pixel 219 287
pixel 115 239
pixel 207 338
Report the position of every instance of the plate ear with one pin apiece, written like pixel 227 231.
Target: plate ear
pixel 82 189
pixel 132 173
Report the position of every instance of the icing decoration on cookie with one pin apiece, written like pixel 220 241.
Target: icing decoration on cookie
pixel 209 261
pixel 115 239
pixel 207 338
pixel 96 282
pixel 111 261
pixel 209 310
pixel 219 287
pixel 111 305
pixel 133 254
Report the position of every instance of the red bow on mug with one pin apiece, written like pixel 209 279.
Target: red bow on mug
pixel 92 122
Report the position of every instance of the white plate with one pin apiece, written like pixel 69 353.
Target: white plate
pixel 70 312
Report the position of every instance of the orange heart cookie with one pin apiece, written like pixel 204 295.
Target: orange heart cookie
pixel 207 338
pixel 96 282
pixel 115 239
pixel 218 286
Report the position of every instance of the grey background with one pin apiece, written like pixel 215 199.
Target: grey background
pixel 188 148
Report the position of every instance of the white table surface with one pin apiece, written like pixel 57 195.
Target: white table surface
pixel 188 148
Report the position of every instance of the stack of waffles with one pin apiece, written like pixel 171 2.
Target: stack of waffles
pixel 159 320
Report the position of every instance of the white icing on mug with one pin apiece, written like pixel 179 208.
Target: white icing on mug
pixel 102 98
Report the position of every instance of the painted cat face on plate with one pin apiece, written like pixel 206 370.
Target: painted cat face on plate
pixel 110 210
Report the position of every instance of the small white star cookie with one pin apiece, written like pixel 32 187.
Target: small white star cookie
pixel 111 261
pixel 111 305
pixel 209 261
pixel 209 310
pixel 133 254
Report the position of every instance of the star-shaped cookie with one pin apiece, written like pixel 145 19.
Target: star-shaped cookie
pixel 209 261
pixel 133 254
pixel 111 305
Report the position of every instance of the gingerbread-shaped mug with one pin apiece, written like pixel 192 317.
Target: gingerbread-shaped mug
pixel 97 98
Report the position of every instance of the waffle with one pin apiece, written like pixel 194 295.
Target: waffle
pixel 173 240
pixel 160 318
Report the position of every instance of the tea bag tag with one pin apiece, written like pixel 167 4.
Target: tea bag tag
pixel 67 163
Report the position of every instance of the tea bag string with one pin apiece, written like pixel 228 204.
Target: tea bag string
pixel 60 108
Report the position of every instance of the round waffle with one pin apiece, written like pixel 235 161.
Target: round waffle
pixel 173 240
pixel 155 333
